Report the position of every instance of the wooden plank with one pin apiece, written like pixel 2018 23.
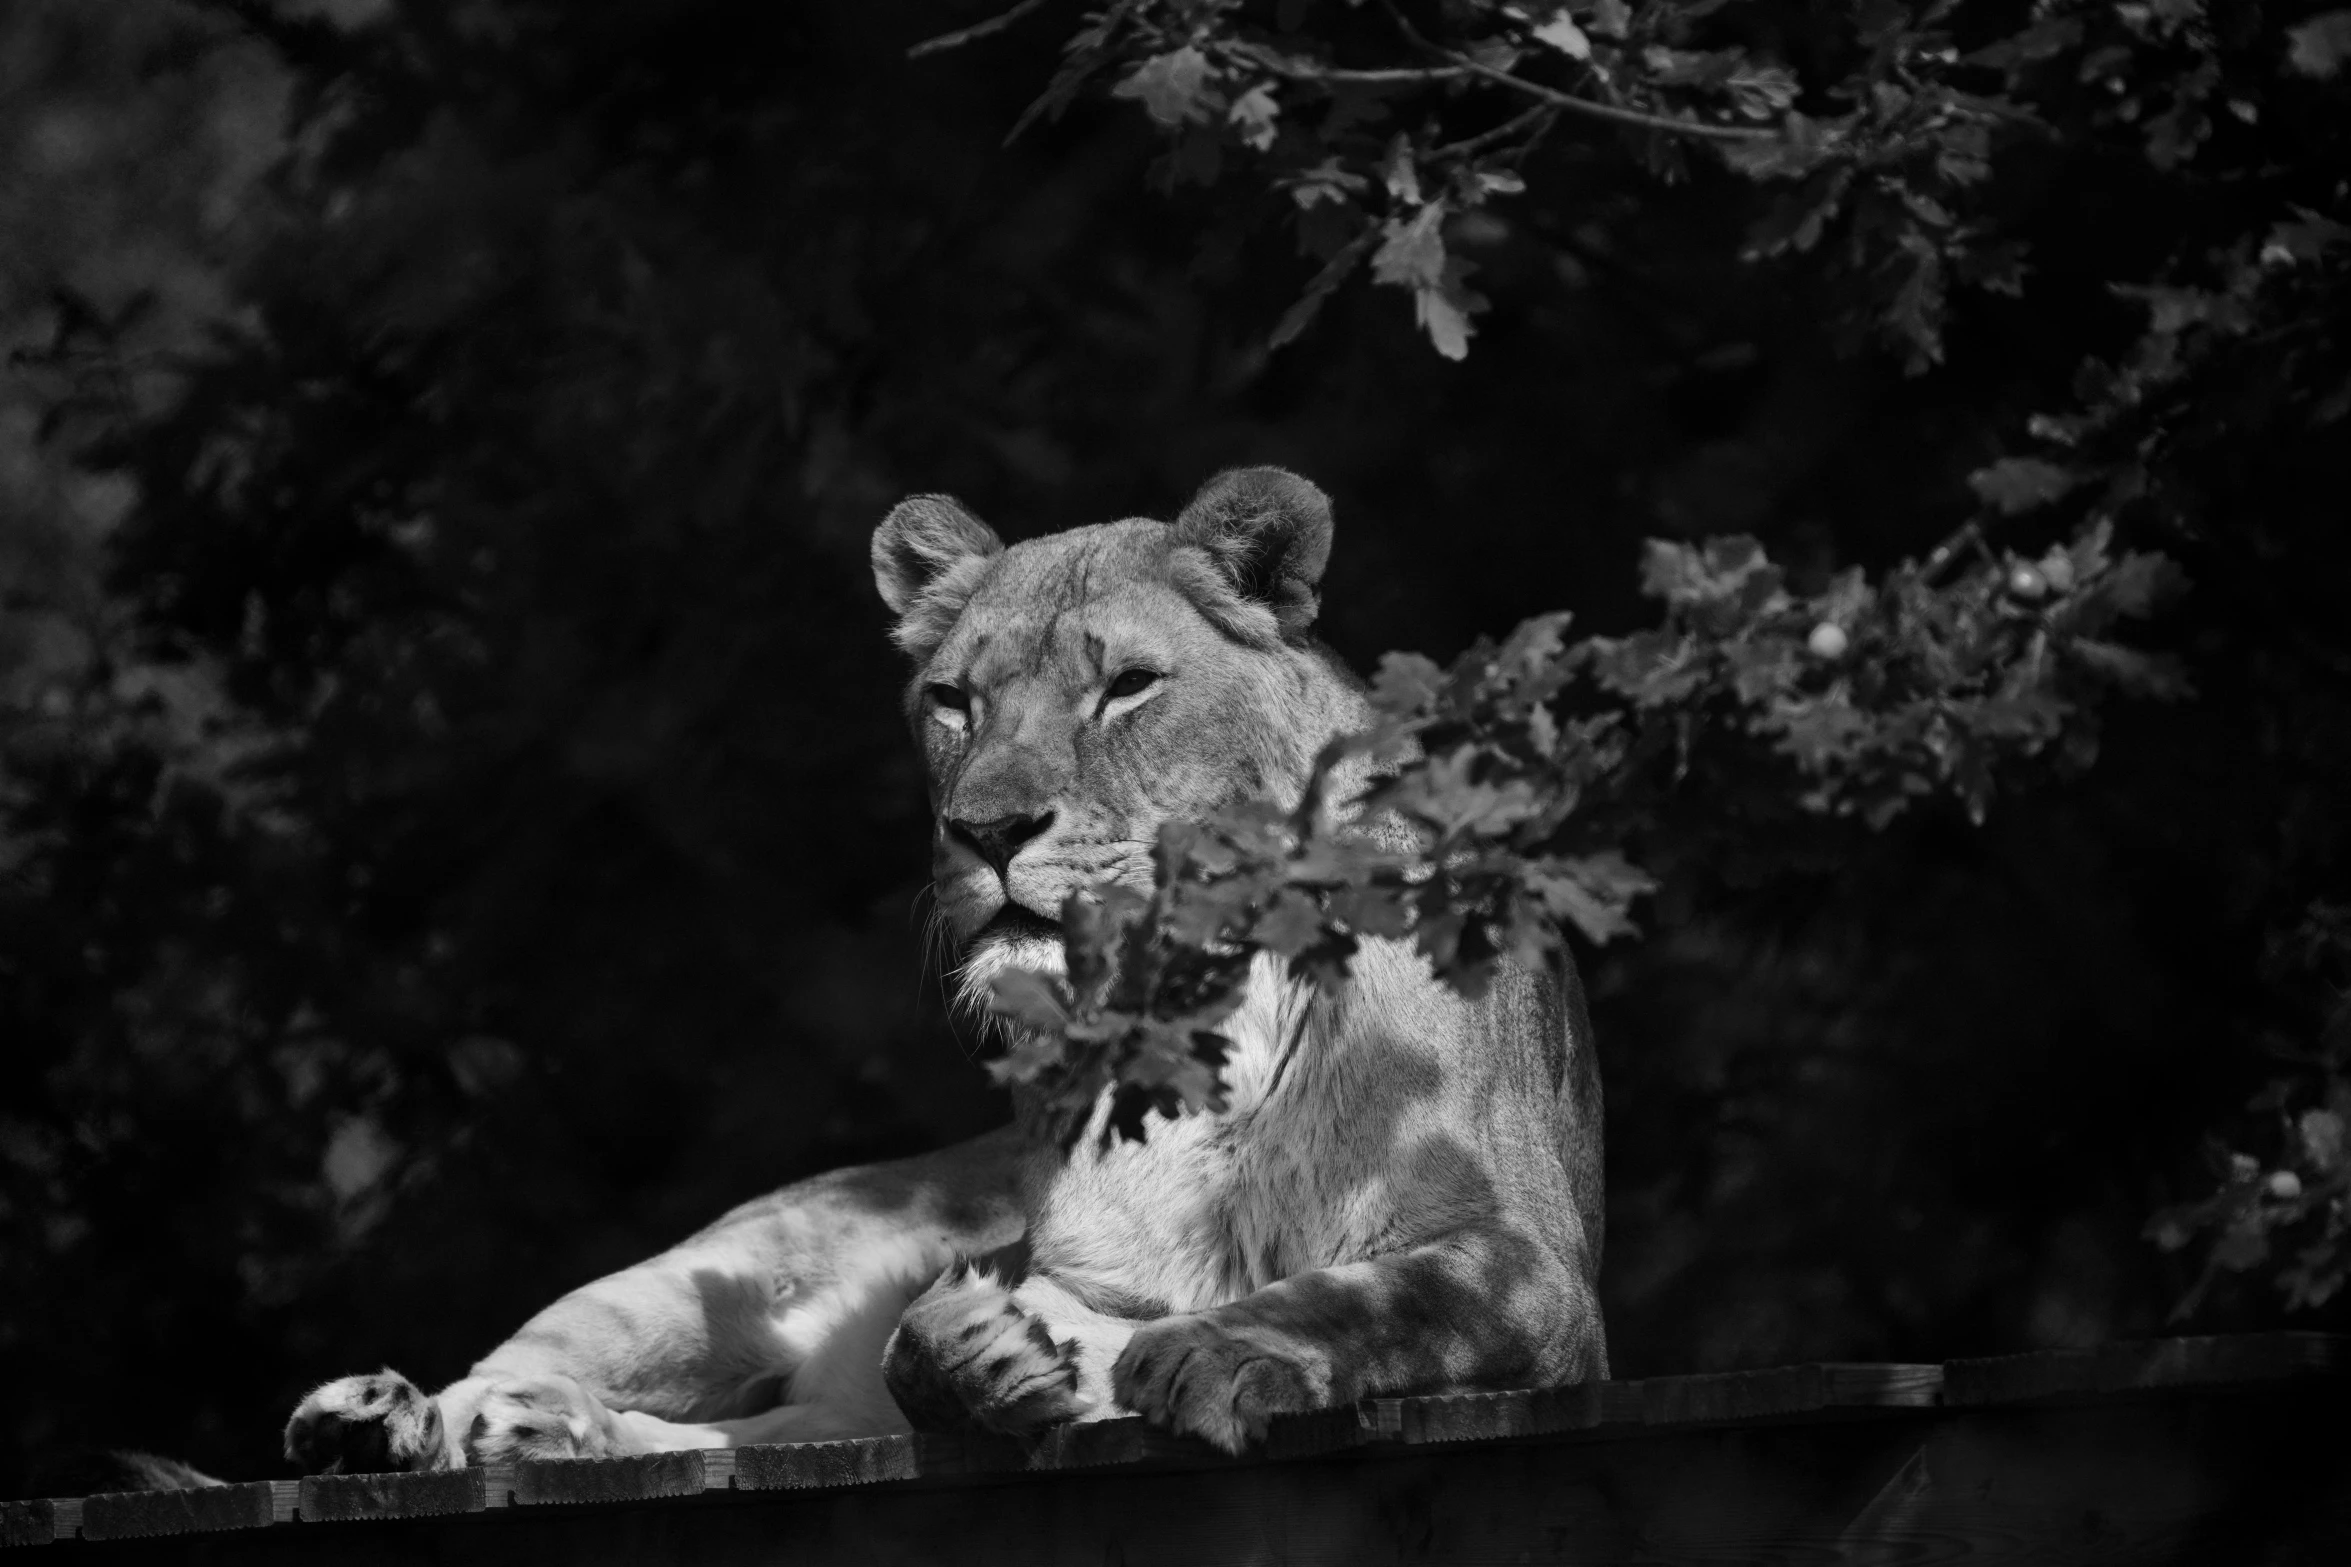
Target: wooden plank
pixel 2144 1364
pixel 1305 1436
pixel 967 1453
pixel 124 1515
pixel 1129 1439
pixel 2202 1475
pixel 1874 1385
pixel 1733 1395
pixel 344 1498
pixel 806 1466
pixel 1481 1417
pixel 541 1482
pixel 31 1522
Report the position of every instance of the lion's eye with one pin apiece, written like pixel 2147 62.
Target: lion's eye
pixel 949 697
pixel 1131 682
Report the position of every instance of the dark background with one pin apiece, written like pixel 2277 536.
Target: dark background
pixel 459 836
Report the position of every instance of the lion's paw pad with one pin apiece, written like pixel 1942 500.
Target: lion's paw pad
pixel 966 1354
pixel 366 1425
pixel 1197 1376
pixel 544 1417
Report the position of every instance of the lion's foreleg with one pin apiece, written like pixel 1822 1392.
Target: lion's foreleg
pixel 1492 1308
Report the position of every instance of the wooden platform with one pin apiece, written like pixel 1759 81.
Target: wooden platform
pixel 2234 1450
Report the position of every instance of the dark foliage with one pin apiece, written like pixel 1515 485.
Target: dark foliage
pixel 474 843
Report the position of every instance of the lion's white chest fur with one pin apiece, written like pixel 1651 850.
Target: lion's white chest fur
pixel 1291 1176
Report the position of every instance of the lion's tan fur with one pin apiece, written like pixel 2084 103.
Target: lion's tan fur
pixel 1403 1193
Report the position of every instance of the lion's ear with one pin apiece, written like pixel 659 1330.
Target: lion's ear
pixel 924 538
pixel 1269 533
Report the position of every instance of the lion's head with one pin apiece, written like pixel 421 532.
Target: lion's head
pixel 1073 692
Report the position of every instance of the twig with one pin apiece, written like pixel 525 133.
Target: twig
pixel 1470 145
pixel 1602 111
pixel 1944 553
pixel 1304 71
pixel 1569 101
pixel 977 30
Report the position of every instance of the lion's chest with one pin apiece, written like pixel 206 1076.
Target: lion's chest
pixel 1211 1207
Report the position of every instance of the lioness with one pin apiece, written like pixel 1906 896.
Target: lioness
pixel 1403 1195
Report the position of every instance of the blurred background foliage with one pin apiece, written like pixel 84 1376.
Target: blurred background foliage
pixel 456 835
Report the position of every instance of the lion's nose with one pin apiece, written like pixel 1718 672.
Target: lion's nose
pixel 998 840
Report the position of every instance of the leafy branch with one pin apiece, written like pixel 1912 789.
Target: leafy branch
pixel 1485 809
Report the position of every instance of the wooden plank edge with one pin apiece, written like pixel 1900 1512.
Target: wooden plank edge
pixel 1711 1398
pixel 1488 1416
pixel 635 1477
pixel 814 1466
pixel 1869 1384
pixel 428 1494
pixel 129 1515
pixel 2145 1365
pixel 32 1521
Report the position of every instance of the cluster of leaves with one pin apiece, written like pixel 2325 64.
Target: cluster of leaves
pixel 1390 127
pixel 1502 789
pixel 2296 1201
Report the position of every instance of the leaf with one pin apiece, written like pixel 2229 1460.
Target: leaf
pixel 1761 92
pixel 1562 34
pixel 1030 999
pixel 1413 254
pixel 1764 667
pixel 2140 584
pixel 2240 1247
pixel 2319 46
pixel 1724 568
pixel 1649 668
pixel 2019 484
pixel 1821 732
pixel 1406 685
pixel 1253 116
pixel 1382 912
pixel 1800 147
pixel 2321 1132
pixel 1610 18
pixel 2305 240
pixel 1172 87
pixel 1291 924
pixel 1593 892
pixel 1444 315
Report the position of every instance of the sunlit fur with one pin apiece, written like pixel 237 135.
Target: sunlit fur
pixel 1404 1193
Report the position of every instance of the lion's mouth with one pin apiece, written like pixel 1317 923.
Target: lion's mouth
pixel 1013 922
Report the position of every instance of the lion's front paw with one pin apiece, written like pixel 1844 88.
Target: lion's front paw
pixel 367 1425
pixel 1193 1374
pixel 966 1354
pixel 542 1417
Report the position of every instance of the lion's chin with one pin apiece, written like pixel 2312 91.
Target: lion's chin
pixel 1000 948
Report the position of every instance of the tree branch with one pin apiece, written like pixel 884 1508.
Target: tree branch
pixel 1609 112
pixel 1536 119
pixel 977 30
pixel 1302 71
